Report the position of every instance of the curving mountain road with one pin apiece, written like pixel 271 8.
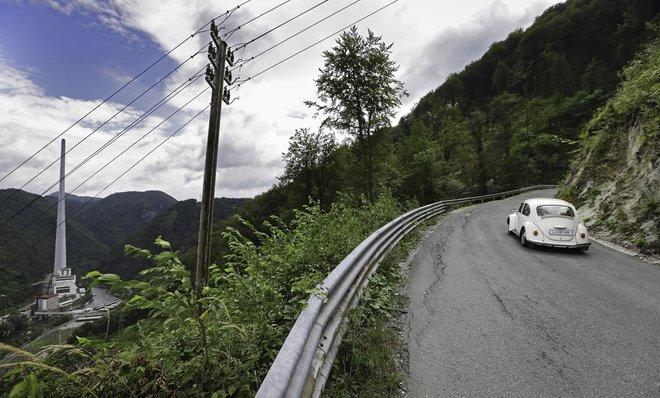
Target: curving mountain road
pixel 489 318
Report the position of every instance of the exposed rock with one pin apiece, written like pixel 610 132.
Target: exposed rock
pixel 615 180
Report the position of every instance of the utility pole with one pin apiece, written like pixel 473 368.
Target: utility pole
pixel 216 75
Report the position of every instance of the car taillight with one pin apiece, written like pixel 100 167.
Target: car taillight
pixel 535 232
pixel 583 235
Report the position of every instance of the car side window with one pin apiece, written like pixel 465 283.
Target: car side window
pixel 526 210
pixel 520 209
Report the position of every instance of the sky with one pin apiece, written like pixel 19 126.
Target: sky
pixel 60 59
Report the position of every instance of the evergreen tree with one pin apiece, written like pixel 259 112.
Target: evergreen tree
pixel 358 94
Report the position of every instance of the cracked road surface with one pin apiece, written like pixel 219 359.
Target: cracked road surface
pixel 489 318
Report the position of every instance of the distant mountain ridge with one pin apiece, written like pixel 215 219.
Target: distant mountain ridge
pixel 118 215
pixel 72 197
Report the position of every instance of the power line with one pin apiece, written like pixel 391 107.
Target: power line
pixel 158 105
pixel 227 35
pixel 241 63
pixel 227 15
pixel 178 90
pixel 13 260
pixel 243 45
pixel 142 137
pixel 240 82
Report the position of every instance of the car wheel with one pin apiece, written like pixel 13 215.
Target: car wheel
pixel 523 238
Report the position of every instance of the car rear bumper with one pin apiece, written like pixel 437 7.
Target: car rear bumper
pixel 561 245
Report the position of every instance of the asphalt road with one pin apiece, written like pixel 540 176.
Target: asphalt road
pixel 490 318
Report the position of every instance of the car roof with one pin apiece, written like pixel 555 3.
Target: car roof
pixel 547 201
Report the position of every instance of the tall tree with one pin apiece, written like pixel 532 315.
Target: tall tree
pixel 478 127
pixel 357 92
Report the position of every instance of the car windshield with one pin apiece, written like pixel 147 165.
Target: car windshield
pixel 554 210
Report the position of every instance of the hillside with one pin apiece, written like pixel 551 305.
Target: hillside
pixel 121 214
pixel 615 177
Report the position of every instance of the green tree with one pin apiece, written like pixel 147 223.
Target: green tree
pixel 309 161
pixel 501 76
pixel 506 114
pixel 478 126
pixel 358 94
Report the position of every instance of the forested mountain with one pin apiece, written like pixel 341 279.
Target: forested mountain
pixel 615 177
pixel 96 231
pixel 513 117
pixel 71 198
pixel 118 215
pixel 27 243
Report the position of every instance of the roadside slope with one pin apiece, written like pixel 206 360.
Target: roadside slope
pixel 615 178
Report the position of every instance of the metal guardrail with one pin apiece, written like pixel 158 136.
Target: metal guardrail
pixel 303 364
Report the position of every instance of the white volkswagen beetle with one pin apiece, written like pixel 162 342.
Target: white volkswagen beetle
pixel 548 222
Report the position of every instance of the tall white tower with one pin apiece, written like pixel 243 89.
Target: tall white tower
pixel 64 281
pixel 60 237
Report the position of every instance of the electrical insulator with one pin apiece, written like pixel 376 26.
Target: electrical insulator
pixel 211 55
pixel 228 77
pixel 230 58
pixel 210 75
pixel 225 96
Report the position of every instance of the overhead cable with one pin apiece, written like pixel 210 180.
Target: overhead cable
pixel 227 35
pixel 240 82
pixel 227 15
pixel 240 63
pixel 243 45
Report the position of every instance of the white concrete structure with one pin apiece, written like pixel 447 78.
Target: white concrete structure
pixel 63 282
pixel 60 236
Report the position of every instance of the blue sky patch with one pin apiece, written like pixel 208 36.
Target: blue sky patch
pixel 74 55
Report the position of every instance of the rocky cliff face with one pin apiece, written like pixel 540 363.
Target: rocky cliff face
pixel 615 180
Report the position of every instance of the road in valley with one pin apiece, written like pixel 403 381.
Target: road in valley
pixel 490 318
